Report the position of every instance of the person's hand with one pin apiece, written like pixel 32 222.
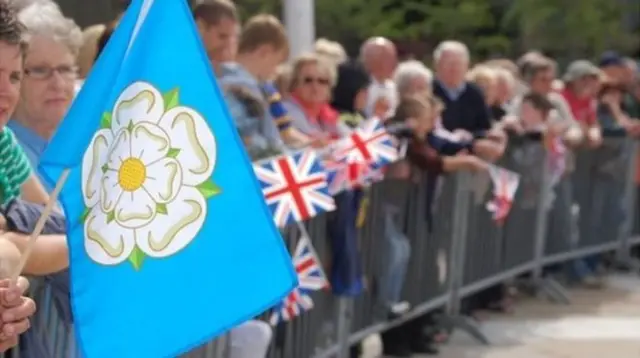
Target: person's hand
pixel 471 162
pixel 462 135
pixel 594 137
pixel 476 164
pixel 497 134
pixel 512 123
pixel 15 311
pixel 573 136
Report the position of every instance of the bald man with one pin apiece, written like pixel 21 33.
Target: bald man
pixel 380 59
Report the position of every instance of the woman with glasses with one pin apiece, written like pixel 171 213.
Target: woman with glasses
pixel 49 76
pixel 311 83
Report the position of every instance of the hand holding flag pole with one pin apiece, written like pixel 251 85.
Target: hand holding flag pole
pixel 51 204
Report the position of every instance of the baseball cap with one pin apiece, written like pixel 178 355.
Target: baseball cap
pixel 579 69
pixel 610 58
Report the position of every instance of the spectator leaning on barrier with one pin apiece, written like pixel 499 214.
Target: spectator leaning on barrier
pixel 465 109
pixel 505 91
pixel 582 82
pixel 380 59
pixel 413 78
pixel 312 80
pixel 48 84
pixel 217 23
pixel 486 78
pixel 538 74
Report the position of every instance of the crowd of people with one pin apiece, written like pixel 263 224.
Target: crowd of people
pixel 460 114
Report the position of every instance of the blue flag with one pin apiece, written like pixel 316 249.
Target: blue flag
pixel 170 240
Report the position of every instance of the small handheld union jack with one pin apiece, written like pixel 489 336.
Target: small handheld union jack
pixel 345 176
pixel 370 143
pixel 294 187
pixel 311 278
pixel 505 185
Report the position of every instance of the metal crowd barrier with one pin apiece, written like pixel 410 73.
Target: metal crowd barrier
pixel 456 250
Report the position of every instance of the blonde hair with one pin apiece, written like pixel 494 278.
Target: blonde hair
pixel 310 59
pixel 482 74
pixel 331 51
pixel 282 79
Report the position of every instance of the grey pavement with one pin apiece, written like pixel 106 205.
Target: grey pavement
pixel 598 323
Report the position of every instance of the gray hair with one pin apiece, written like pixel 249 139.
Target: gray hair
pixel 331 50
pixel 455 47
pixel 407 71
pixel 45 18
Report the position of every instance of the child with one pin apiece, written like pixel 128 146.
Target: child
pixel 262 47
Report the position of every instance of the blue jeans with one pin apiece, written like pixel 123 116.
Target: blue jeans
pixel 395 259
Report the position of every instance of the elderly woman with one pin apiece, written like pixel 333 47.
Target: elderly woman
pixel 413 78
pixel 311 80
pixel 48 85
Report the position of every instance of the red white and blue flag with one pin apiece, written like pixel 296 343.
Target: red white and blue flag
pixel 505 185
pixel 294 187
pixel 311 278
pixel 346 176
pixel 369 143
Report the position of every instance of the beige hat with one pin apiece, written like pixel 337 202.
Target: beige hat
pixel 579 69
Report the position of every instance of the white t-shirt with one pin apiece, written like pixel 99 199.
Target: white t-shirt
pixel 382 91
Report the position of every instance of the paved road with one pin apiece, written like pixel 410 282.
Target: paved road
pixel 599 324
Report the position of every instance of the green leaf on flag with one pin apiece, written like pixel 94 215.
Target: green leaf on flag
pixel 111 216
pixel 171 99
pixel 173 152
pixel 130 127
pixel 209 189
pixel 105 121
pixel 104 168
pixel 162 209
pixel 84 215
pixel 136 258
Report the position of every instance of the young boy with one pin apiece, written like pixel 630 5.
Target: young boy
pixel 262 46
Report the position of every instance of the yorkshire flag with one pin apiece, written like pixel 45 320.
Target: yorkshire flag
pixel 171 243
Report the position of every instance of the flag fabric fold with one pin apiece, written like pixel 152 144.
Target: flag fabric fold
pixel 161 200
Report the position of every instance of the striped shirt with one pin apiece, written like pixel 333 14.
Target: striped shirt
pixel 14 167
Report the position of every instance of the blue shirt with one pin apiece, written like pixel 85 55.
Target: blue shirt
pixel 33 146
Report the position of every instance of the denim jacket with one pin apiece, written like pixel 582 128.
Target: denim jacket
pixel 258 130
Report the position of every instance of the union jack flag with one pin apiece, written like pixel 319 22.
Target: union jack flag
pixel 369 143
pixel 345 176
pixel 311 278
pixel 505 185
pixel 294 187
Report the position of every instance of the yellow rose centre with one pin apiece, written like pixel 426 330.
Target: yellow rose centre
pixel 132 174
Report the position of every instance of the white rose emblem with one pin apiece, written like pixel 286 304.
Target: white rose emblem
pixel 146 177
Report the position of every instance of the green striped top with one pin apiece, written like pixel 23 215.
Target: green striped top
pixel 14 166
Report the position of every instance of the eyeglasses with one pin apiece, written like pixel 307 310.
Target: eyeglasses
pixel 318 80
pixel 45 72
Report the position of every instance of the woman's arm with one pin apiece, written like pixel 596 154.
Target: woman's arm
pixel 50 253
pixel 33 191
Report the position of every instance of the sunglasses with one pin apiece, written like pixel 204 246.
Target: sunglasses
pixel 318 80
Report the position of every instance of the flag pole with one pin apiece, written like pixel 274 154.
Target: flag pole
pixel 53 199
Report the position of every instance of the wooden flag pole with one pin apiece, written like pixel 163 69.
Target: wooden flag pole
pixel 53 199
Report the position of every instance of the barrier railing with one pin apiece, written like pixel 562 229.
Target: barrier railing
pixel 455 249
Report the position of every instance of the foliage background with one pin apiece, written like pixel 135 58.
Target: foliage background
pixel 565 29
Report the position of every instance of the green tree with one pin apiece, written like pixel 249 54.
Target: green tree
pixel 572 28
